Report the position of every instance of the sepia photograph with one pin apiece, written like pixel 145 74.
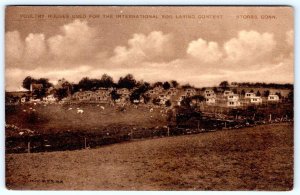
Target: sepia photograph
pixel 176 98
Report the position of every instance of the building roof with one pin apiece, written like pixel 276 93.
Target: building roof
pixel 36 86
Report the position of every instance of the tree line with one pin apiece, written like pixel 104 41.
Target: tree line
pixel 90 84
pixel 66 88
pixel 263 85
pixel 105 81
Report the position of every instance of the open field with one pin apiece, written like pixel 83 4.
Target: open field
pixel 51 127
pixel 254 158
pixel 53 118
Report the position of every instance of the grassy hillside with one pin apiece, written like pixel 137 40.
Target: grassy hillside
pixel 257 158
pixel 54 118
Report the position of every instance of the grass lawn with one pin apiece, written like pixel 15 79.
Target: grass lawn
pixel 256 158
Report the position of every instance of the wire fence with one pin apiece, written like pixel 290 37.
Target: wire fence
pixel 84 140
pixel 211 119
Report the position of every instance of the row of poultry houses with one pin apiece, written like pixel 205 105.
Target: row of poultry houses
pixel 102 95
pixel 175 96
pixel 225 99
pixel 230 99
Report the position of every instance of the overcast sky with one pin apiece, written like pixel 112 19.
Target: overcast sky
pixel 198 51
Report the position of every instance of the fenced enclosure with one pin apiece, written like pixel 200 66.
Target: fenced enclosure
pixel 85 140
pixel 56 128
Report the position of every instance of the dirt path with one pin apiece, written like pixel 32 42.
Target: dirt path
pixel 257 158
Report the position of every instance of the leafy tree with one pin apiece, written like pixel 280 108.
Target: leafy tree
pixel 224 85
pixel 186 86
pixel 127 82
pixel 198 98
pixel 234 83
pixel 243 92
pixel 186 114
pixel 146 85
pixel 67 84
pixel 45 82
pixel 85 84
pixel 166 85
pixel 251 91
pixel 61 93
pixel 114 95
pixel 266 93
pixel 137 93
pixel 75 88
pixel 279 94
pixel 106 81
pixel 174 83
pixel 27 82
pixel 158 84
pixel 186 102
pixel 186 111
pixel 63 90
pixel 258 93
pixel 93 84
pixel 215 89
pixel 234 90
pixel 38 93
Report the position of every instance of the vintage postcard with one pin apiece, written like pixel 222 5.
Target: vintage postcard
pixel 149 98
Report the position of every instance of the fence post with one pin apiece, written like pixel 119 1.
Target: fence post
pixel 270 117
pixel 198 125
pixel 28 147
pixel 84 142
pixel 131 133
